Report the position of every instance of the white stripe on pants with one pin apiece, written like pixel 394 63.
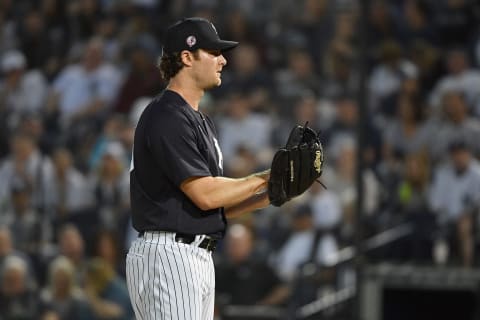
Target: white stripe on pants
pixel 169 280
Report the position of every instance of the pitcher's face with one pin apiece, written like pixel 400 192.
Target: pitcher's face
pixel 208 67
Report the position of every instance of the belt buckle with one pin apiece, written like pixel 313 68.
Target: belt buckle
pixel 211 244
pixel 185 239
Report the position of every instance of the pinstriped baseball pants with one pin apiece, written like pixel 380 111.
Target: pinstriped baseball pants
pixel 168 280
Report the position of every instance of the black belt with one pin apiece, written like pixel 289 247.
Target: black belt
pixel 208 243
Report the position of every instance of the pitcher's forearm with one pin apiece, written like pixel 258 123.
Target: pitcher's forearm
pixel 216 192
pixel 257 201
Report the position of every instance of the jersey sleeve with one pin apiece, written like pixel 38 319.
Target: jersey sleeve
pixel 173 142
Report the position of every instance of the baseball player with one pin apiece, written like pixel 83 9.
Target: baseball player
pixel 180 201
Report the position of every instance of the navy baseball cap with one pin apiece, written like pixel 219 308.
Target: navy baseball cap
pixel 192 34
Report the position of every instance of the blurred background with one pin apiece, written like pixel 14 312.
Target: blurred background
pixel 393 237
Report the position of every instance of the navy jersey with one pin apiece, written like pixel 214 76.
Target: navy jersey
pixel 173 142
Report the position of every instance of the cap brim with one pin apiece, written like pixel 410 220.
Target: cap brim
pixel 223 45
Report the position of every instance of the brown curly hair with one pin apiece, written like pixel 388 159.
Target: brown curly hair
pixel 171 63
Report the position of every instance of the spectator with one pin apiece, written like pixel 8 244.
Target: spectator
pixel 427 58
pixel 456 124
pixel 238 26
pixel 35 41
pixel 70 190
pixel 297 78
pixel 6 247
pixel 56 24
pixel 306 108
pixel 143 77
pixel 341 77
pixel 83 18
pixel 415 23
pixel 454 196
pixel 313 24
pixel 410 87
pixel 71 244
pixel 84 92
pixel 345 124
pixel 340 56
pixel 107 292
pixel 407 133
pixel 242 128
pixel 107 29
pixel 7 250
pixel 249 77
pixel 460 77
pixel 110 135
pixel 409 203
pixel 343 183
pixel 243 162
pixel 22 91
pixel 387 75
pixel 28 164
pixel 109 247
pixel 381 25
pixel 34 126
pixel 299 246
pixel 413 190
pixel 326 208
pixel 110 184
pixel 17 296
pixel 244 279
pixel 61 295
pixel 28 229
pixel 8 35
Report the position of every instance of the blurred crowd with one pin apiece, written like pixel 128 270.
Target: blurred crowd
pixel 75 76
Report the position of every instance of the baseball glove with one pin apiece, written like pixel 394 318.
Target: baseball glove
pixel 296 166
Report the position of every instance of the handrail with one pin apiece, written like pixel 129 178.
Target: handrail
pixel 345 255
pixel 326 302
pixel 376 241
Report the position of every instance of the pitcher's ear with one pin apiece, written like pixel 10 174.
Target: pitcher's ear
pixel 187 57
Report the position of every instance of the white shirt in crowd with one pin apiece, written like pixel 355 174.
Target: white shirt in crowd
pixel 327 210
pixel 467 82
pixel 78 87
pixel 252 132
pixel 451 194
pixel 296 251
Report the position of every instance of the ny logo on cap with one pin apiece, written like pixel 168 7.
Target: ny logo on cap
pixel 191 40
